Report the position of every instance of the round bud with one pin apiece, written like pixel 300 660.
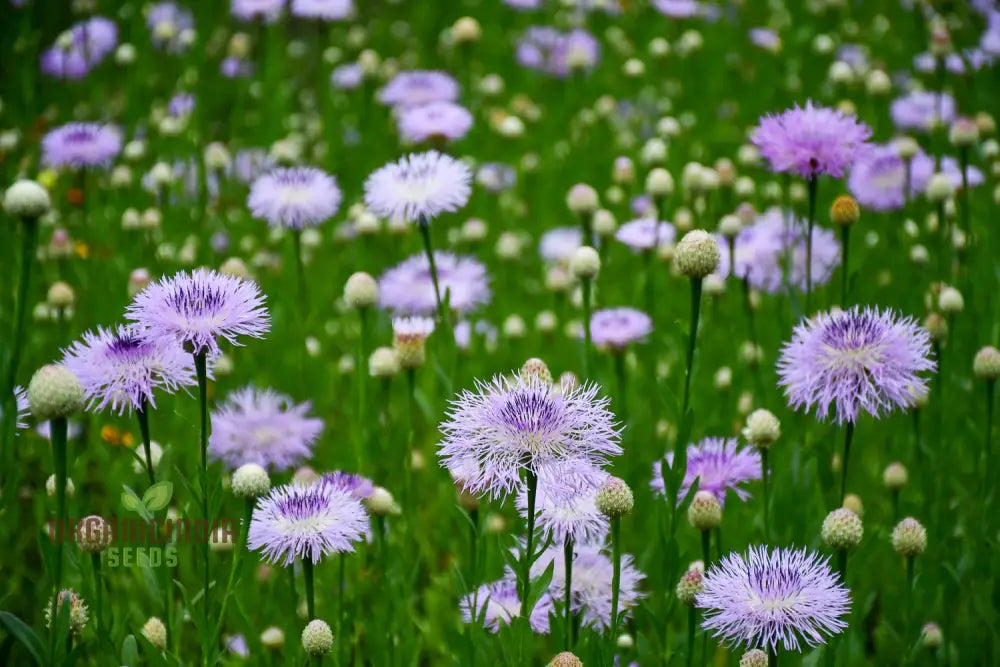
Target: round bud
pixel 155 633
pixel 381 502
pixel 697 254
pixel 27 200
pixel 689 586
pixel 986 365
pixel 937 327
pixel 950 301
pixel 985 123
pixel 931 636
pixel 54 392
pixel 909 537
pixel 317 637
pixel 852 501
pixel 566 659
pixel 842 529
pixel 940 188
pixel 878 82
pixel 845 210
pixel 78 612
pixel 705 511
pixel 604 223
pixel 963 133
pixel 466 30
pixel 625 641
pixel 272 638
pixel 659 182
pixel 906 147
pixel 723 378
pixel 762 428
pixel 754 658
pixel 93 534
pixel 895 477
pixel 730 226
pixel 383 363
pixel 250 481
pixel 614 498
pixel 582 199
pixel 535 367
pixel 361 290
pixel 50 487
pixel 585 262
pixel 60 295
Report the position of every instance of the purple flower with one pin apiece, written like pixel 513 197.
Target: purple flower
pixel 855 360
pixel 347 77
pixel 357 486
pixel 295 521
pixel 237 645
pixel 199 307
pixel 645 233
pixel 878 181
pixel 21 408
pixel 419 187
pixel 248 10
pixel 523 5
pixel 80 49
pixel 678 9
pixel 921 111
pixel 495 177
pixel 122 368
pixel 180 105
pixel 166 22
pixel 327 10
pixel 766 39
pixel 437 120
pixel 773 598
pixel 811 140
pixel 295 197
pixel 232 67
pixel 556 53
pixel 953 169
pixel 512 424
pixel 718 464
pixel 81 145
pixel 498 604
pixel 264 427
pixel 251 163
pixel 418 87
pixel 572 513
pixel 558 245
pixel 407 288
pixel 614 328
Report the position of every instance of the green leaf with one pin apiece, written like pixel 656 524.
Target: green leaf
pixel 25 635
pixel 158 496
pixel 130 651
pixel 130 501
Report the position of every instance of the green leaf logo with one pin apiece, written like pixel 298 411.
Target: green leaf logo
pixel 130 502
pixel 158 496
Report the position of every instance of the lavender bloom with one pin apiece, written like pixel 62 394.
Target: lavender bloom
pixel 326 10
pixel 878 181
pixel 295 521
pixel 811 140
pixel 514 424
pixel 180 105
pixel 766 39
pixel 856 360
pixel 495 177
pixel 920 110
pixel 552 52
pixel 358 486
pixel 498 603
pixel 523 5
pixel 558 245
pixel 295 197
pixel 232 67
pixel 718 464
pixel 407 288
pixel 953 169
pixel 645 234
pixel 122 369
pixel 678 9
pixel 562 513
pixel 614 328
pixel 417 87
pixel 347 77
pixel 21 408
pixel 166 22
pixel 420 186
pixel 199 307
pixel 236 645
pixel 248 10
pixel 434 121
pixel 773 598
pixel 251 163
pixel 264 427
pixel 80 49
pixel 80 145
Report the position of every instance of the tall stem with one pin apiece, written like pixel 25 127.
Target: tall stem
pixel 532 484
pixel 95 561
pixel 300 274
pixel 692 337
pixel 568 602
pixel 28 243
pixel 201 370
pixel 764 475
pixel 425 234
pixel 848 436
pixel 411 383
pixel 57 432
pixel 616 577
pixel 963 160
pixel 620 378
pixel 706 547
pixel 307 574
pixel 361 369
pixel 692 622
pixel 586 287
pixel 813 184
pixel 143 415
pixel 845 234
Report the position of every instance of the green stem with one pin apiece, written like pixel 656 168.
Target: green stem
pixel 650 283
pixel 57 432
pixel 143 415
pixel 586 288
pixel 616 577
pixel 848 436
pixel 95 561
pixel 620 377
pixel 963 159
pixel 706 547
pixel 813 184
pixel 764 476
pixel 532 484
pixel 300 274
pixel 845 233
pixel 200 366
pixel 692 338
pixel 425 234
pixel 692 622
pixel 28 243
pixel 361 371
pixel 307 574
pixel 411 378
pixel 568 602
pixel 238 549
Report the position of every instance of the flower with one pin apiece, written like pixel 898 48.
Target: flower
pixel 645 233
pixel 296 521
pixel 559 244
pixel 497 603
pixel 122 368
pixel 248 10
pixel 81 48
pixel 557 53
pixel 437 120
pixel 199 307
pixel 326 10
pixel 921 110
pixel 811 140
pixel 510 424
pixel 264 427
pixel 773 597
pixel 614 328
pixel 166 21
pixel 408 288
pixel 718 464
pixel 419 187
pixel 878 181
pixel 855 360
pixel 21 408
pixel 296 197
pixel 567 514
pixel 418 87
pixel 358 486
pixel 81 145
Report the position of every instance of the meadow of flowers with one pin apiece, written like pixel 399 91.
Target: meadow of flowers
pixel 499 332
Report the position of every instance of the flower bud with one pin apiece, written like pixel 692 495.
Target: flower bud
pixel 895 477
pixel 155 633
pixel 931 636
pixel 659 182
pixel 950 301
pixel 60 295
pixel 585 262
pixel 909 537
pixel 93 534
pixel 566 659
pixel 940 188
pixel 614 498
pixel 697 254
pixel 689 586
pixel 78 612
pixel 54 392
pixel 317 638
pixel 582 199
pixel 535 367
pixel 381 502
pixel 842 529
pixel 963 133
pixel 762 428
pixel 361 290
pixel 250 481
pixel 272 638
pixel 466 30
pixel 845 211
pixel 986 365
pixel 754 658
pixel 705 511
pixel 26 200
pixel 383 363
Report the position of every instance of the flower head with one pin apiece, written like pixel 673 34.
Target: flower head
pixel 773 598
pixel 615 328
pixel 296 521
pixel 811 140
pixel 645 233
pixel 296 197
pixel 264 427
pixel 562 513
pixel 81 48
pixel 718 464
pixel 855 360
pixel 498 604
pixel 419 187
pixel 198 308
pixel 559 244
pixel 166 21
pixel 408 288
pixel 122 367
pixel 510 424
pixel 922 111
pixel 418 87
pixel 879 179
pixel 81 145
pixel 358 486
pixel 325 10
pixel 437 120
pixel 266 10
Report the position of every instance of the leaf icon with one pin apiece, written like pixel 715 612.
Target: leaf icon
pixel 158 496
pixel 130 501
